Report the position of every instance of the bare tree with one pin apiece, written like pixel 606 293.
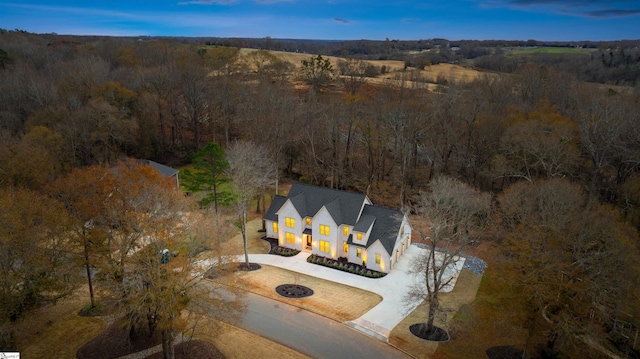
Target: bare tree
pixel 353 73
pixel 82 193
pixel 248 166
pixel 35 264
pixel 455 215
pixel 572 263
pixel 538 144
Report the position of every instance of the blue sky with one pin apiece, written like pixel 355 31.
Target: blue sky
pixel 332 19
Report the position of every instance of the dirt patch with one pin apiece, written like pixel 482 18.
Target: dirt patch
pixel 464 292
pixel 194 349
pixel 250 268
pixel 114 342
pixel 294 291
pixel 435 335
pixel 332 300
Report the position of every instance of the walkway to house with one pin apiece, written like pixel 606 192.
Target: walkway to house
pixel 381 319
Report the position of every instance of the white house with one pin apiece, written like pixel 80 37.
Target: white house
pixel 338 224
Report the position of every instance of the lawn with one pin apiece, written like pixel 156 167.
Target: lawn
pixel 463 293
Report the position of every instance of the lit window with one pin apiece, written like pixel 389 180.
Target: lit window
pixel 345 247
pixel 346 231
pixel 359 252
pixel 359 236
pixel 324 246
pixel 275 226
pixel 324 229
pixel 290 222
pixel 378 258
pixel 290 237
pixel 308 219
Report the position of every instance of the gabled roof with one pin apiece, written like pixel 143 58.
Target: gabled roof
pixel 277 202
pixel 386 226
pixel 164 170
pixel 364 223
pixel 344 207
pixel 350 241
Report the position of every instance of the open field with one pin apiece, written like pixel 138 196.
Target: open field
pixel 451 72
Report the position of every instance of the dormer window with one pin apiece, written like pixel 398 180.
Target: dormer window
pixel 308 220
pixel 359 236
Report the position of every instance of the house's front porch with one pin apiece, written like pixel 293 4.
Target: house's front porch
pixel 307 241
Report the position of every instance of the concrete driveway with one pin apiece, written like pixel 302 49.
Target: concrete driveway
pixel 381 319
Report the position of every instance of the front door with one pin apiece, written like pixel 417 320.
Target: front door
pixel 309 242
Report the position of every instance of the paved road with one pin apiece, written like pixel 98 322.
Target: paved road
pixel 309 333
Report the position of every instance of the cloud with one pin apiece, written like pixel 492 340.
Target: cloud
pixel 586 8
pixel 612 13
pixel 340 20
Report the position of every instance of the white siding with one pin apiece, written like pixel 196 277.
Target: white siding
pixel 341 239
pixel 404 238
pixel 269 226
pixel 377 248
pixel 288 210
pixel 324 218
pixel 365 235
pixel 353 255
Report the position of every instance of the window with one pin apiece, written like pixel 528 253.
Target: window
pixel 324 229
pixel 359 236
pixel 346 231
pixel 290 222
pixel 402 230
pixel 275 227
pixel 345 247
pixel 378 257
pixel 359 252
pixel 308 219
pixel 290 237
pixel 324 246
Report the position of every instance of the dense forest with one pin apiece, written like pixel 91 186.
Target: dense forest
pixel 555 139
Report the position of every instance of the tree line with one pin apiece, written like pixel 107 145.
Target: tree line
pixel 559 155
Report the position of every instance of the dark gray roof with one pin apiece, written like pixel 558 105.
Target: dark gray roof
pixel 386 226
pixel 364 223
pixel 343 206
pixel 350 241
pixel 164 170
pixel 277 202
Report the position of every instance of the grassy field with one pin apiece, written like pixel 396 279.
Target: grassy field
pixel 451 72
